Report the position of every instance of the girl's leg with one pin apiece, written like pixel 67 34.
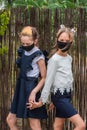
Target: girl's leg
pixel 35 124
pixel 78 122
pixel 58 123
pixel 11 121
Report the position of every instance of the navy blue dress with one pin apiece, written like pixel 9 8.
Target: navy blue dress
pixel 24 86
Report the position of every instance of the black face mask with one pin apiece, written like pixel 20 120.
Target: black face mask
pixel 28 48
pixel 64 46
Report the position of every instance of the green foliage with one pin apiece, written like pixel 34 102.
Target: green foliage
pixel 50 4
pixel 4 20
pixel 3 50
pixel 30 3
pixel 81 3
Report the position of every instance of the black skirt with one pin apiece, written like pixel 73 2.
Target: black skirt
pixel 64 108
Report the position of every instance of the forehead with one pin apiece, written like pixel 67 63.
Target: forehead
pixel 26 38
pixel 64 36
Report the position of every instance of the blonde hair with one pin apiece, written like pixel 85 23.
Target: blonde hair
pixel 60 31
pixel 30 31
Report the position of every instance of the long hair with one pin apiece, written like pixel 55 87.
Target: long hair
pixel 60 31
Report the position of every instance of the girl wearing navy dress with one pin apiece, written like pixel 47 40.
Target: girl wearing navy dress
pixel 59 82
pixel 31 63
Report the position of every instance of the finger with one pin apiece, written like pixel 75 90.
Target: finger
pixel 29 106
pixel 31 100
pixel 29 103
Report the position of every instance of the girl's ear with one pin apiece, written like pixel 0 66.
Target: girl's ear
pixel 36 42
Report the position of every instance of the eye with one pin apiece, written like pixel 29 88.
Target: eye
pixel 27 44
pixel 61 40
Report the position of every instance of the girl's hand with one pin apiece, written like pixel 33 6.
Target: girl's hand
pixel 32 105
pixel 51 106
pixel 32 97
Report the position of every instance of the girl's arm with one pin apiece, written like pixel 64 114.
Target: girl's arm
pixel 50 77
pixel 51 72
pixel 42 68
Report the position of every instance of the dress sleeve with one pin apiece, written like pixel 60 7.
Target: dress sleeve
pixel 39 58
pixel 51 71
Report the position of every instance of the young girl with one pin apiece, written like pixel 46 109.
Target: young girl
pixel 59 82
pixel 31 63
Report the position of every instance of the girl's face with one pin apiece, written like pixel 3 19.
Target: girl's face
pixel 64 37
pixel 27 40
pixel 63 42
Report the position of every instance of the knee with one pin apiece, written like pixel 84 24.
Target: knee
pixel 34 128
pixel 10 120
pixel 83 126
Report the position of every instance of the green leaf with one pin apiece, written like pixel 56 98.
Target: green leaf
pixel 18 3
pixel 68 4
pixel 3 50
pixel 4 20
pixel 55 5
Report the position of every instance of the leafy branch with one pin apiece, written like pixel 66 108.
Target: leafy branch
pixel 4 21
pixel 48 4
